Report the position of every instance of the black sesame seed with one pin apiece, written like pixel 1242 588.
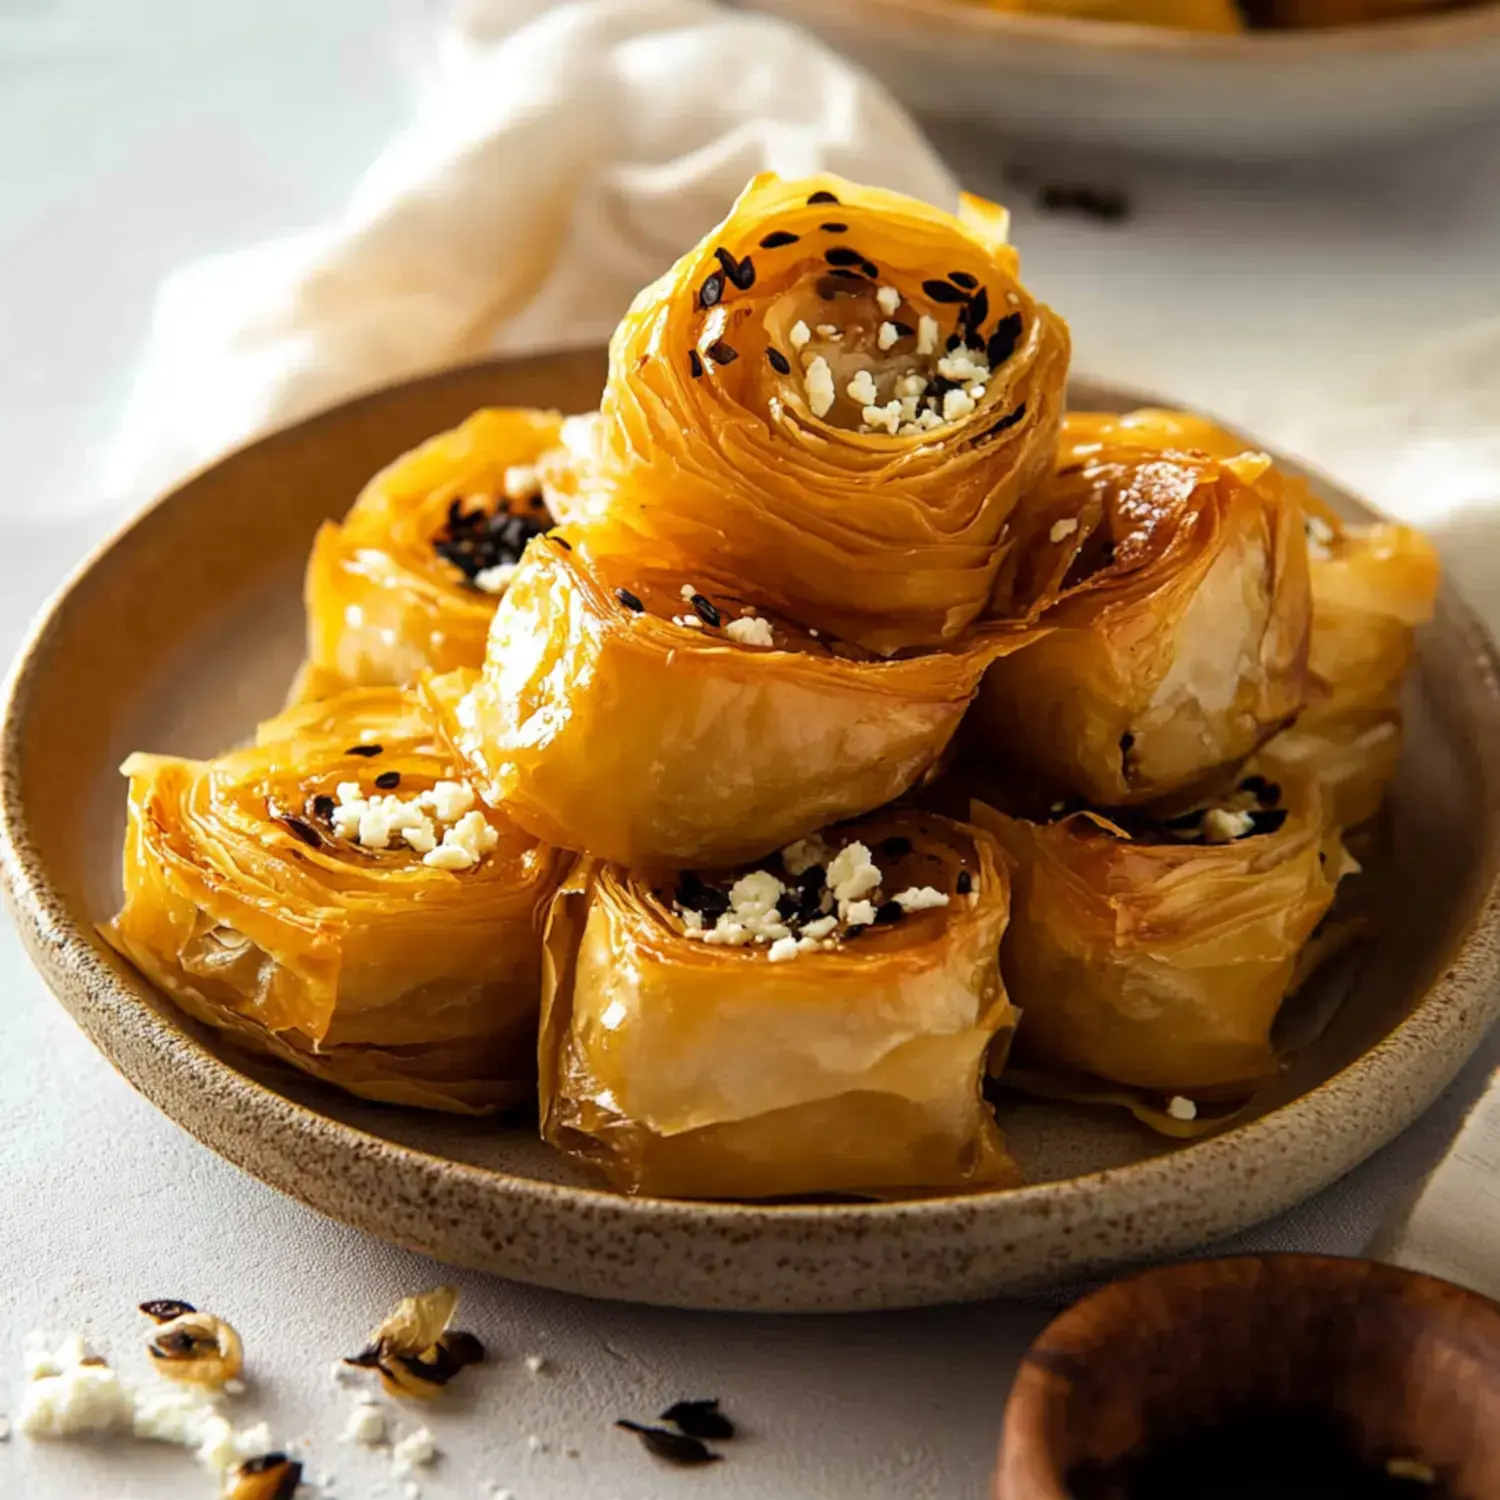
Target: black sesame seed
pixel 323 807
pixel 675 1447
pixel 963 279
pixel 1266 820
pixel 904 330
pixel 870 269
pixel 387 780
pixel 740 272
pixel 367 751
pixel 479 540
pixel 699 1419
pixel 888 912
pixel 846 274
pixel 823 196
pixel 537 501
pixel 779 362
pixel 953 341
pixel 712 290
pixel 787 906
pixel 778 238
pixel 629 600
pixel 1127 743
pixel 977 313
pixel 1003 340
pixel 695 363
pixel 964 884
pixel 835 228
pixel 1006 422
pixel 940 385
pixel 304 831
pixel 941 291
pixel 706 611
pixel 842 255
pixel 721 353
pixel 561 541
pixel 895 846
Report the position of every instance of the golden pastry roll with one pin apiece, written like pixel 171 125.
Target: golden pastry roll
pixel 1372 587
pixel 1167 592
pixel 839 397
pixel 815 1023
pixel 337 897
pixel 1155 953
pixel 410 578
pixel 653 713
pixel 1185 15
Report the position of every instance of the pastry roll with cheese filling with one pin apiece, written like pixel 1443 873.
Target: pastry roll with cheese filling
pixel 1372 586
pixel 337 897
pixel 815 1023
pixel 409 579
pixel 1156 952
pixel 1167 596
pixel 838 398
pixel 652 712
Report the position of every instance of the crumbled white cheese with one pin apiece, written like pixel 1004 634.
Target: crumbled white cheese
pixel 464 844
pixel 1221 826
pixel 495 580
pixel 1181 1108
pixel 819 927
pixel 750 630
pixel 783 949
pixel 371 822
pixel 887 417
pixel 862 389
pixel 755 893
pixel 830 331
pixel 963 364
pixel 81 1399
pixel 802 854
pixel 819 383
pixel 536 1363
pixel 956 405
pixel 366 1425
pixel 800 335
pixel 887 336
pixel 920 898
pixel 415 1451
pixel 1062 530
pixel 688 622
pixel 522 482
pixel 857 913
pixel 927 335
pixel 354 616
pixel 852 873
pixel 888 299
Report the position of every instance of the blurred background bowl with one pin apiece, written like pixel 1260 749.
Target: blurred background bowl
pixel 1250 95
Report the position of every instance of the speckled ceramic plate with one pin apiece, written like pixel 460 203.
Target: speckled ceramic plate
pixel 185 629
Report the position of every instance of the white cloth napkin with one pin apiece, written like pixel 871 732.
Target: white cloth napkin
pixel 561 157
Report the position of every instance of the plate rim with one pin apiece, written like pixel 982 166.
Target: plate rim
pixel 99 989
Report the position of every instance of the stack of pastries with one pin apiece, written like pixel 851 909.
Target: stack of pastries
pixel 760 768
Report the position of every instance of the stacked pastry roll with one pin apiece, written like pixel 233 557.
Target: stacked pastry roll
pixel 756 768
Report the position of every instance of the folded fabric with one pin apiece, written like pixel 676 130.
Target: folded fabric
pixel 560 159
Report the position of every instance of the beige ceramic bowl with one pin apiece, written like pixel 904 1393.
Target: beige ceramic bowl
pixel 186 628
pixel 1263 94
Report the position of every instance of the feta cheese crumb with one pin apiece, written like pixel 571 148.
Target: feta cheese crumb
pixel 366 1425
pixel 862 390
pixel 852 874
pixel 857 913
pixel 819 927
pixel 234 1387
pixel 887 336
pixel 1181 1108
pixel 1220 826
pixel 415 1451
pixel 819 383
pixel 956 405
pixel 80 1399
pixel 800 335
pixel 802 854
pixel 495 580
pixel 920 898
pixel 927 334
pixel 1062 530
pixel 449 800
pixel 536 1363
pixel 750 630
pixel 888 299
pixel 521 482
pixel 783 949
pixel 688 622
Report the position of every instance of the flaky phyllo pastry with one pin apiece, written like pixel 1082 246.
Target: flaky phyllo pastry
pixel 337 897
pixel 1156 951
pixel 650 712
pixel 1167 593
pixel 818 1022
pixel 409 579
pixel 840 397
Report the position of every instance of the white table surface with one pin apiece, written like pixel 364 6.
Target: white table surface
pixel 135 134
